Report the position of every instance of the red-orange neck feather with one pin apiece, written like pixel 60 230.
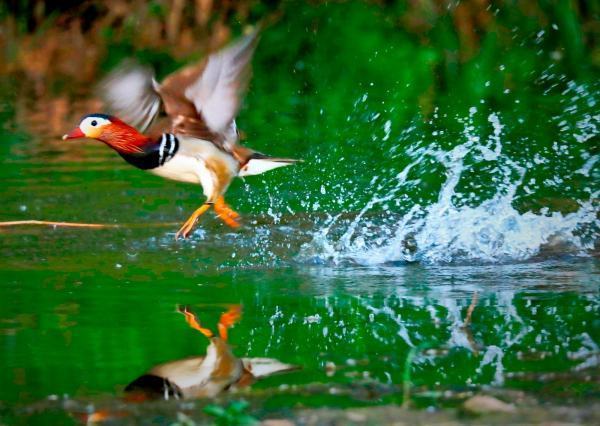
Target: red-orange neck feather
pixel 123 138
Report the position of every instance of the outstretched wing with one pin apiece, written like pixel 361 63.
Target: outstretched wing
pixel 183 116
pixel 201 100
pixel 219 90
pixel 128 93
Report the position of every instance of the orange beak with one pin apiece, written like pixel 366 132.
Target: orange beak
pixel 74 134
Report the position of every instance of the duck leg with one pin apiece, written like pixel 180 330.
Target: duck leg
pixel 189 224
pixel 228 319
pixel 226 213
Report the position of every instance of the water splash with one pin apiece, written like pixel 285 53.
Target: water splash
pixel 469 221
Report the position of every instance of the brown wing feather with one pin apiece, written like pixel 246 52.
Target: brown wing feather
pixel 203 99
pixel 200 100
pixel 182 79
pixel 172 91
pixel 219 90
pixel 183 116
pixel 242 153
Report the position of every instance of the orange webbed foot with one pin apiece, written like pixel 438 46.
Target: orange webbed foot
pixel 187 227
pixel 226 213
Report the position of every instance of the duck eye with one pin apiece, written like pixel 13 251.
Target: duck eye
pixel 94 123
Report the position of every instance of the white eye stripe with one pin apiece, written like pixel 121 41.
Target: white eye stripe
pixel 93 122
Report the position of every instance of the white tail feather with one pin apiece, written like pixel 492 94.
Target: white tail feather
pixel 257 166
pixel 262 367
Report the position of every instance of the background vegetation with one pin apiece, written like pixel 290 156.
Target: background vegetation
pixel 456 41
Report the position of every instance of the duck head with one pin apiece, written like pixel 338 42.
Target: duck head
pixel 112 131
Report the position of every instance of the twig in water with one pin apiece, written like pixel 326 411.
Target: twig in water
pixel 83 225
pixel 470 310
pixel 466 327
pixel 63 224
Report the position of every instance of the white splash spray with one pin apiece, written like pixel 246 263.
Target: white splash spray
pixel 458 226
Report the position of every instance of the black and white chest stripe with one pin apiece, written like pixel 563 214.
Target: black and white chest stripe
pixel 169 145
pixel 157 155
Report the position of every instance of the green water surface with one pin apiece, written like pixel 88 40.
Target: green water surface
pixel 322 281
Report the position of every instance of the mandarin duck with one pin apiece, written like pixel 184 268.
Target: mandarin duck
pixel 183 128
pixel 204 376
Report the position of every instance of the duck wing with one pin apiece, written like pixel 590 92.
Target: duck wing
pixel 131 93
pixel 218 92
pixel 203 99
pixel 128 93
pixel 200 100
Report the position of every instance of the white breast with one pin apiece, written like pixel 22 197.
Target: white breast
pixel 181 168
pixel 189 163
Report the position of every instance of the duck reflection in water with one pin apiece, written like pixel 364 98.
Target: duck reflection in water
pixel 204 376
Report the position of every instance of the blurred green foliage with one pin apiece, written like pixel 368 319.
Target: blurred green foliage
pixel 458 40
